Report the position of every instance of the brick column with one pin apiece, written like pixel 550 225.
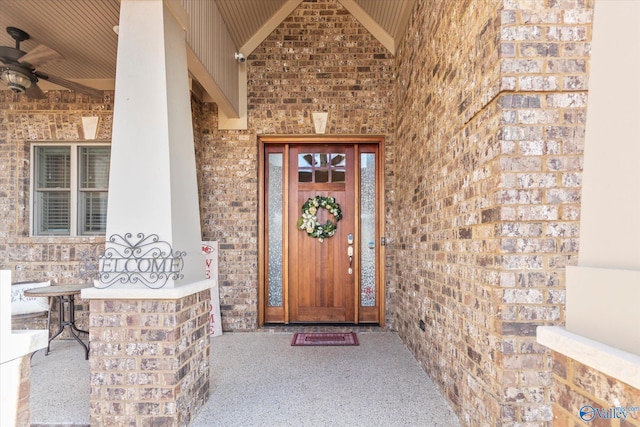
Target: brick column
pixel 149 359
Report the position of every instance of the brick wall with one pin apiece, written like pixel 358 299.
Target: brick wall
pixel 22 122
pixel 491 109
pixel 58 117
pixel 319 59
pixel 576 385
pixel 149 360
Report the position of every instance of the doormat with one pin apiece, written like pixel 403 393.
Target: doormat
pixel 324 338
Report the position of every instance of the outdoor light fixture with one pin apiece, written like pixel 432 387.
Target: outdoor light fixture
pixel 15 80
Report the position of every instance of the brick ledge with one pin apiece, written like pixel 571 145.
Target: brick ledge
pixel 614 362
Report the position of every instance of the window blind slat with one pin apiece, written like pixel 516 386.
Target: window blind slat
pixel 54 212
pixel 54 167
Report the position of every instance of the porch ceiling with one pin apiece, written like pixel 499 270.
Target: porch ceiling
pixel 82 30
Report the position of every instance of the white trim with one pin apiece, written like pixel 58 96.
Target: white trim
pixel 179 13
pixel 370 24
pixel 240 123
pixel 263 32
pixel 609 360
pixel 211 87
pixel 113 293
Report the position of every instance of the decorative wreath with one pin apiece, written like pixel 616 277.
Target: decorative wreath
pixel 309 219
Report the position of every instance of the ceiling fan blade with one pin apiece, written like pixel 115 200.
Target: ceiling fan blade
pixel 70 85
pixel 35 92
pixel 40 55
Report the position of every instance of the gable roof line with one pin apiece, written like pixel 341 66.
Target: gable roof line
pixel 370 24
pixel 269 26
pixel 389 41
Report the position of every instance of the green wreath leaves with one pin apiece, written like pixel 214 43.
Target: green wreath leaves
pixel 309 219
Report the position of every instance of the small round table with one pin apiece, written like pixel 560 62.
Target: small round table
pixel 65 294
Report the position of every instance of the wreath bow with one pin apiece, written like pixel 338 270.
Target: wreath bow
pixel 309 219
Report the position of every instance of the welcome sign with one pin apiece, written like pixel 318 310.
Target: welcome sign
pixel 140 259
pixel 152 262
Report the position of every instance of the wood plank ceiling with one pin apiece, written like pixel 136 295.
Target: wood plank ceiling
pixel 82 30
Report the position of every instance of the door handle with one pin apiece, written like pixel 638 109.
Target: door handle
pixel 350 253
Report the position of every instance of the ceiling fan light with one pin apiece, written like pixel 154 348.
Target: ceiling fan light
pixel 16 81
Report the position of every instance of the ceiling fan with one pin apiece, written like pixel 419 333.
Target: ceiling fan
pixel 18 68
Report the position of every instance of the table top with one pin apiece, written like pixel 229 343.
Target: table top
pixel 57 290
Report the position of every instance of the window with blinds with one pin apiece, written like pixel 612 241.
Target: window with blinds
pixel 92 191
pixel 70 189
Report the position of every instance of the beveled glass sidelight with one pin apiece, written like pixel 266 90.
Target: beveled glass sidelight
pixel 368 229
pixel 274 224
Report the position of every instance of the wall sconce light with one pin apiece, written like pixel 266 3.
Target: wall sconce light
pixel 15 80
pixel 320 121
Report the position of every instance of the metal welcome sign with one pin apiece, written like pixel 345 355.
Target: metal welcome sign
pixel 140 259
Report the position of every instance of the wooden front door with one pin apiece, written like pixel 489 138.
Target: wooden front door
pixel 305 279
pixel 321 276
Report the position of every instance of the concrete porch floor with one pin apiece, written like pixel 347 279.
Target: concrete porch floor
pixel 258 379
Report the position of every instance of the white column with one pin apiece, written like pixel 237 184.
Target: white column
pixel 153 186
pixel 604 289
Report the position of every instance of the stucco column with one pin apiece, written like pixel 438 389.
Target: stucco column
pixel 153 191
pixel 604 289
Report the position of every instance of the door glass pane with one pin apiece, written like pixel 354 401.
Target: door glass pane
pixel 306 160
pixel 305 176
pixel 368 229
pixel 322 167
pixel 338 175
pixel 338 160
pixel 322 175
pixel 274 224
pixel 338 167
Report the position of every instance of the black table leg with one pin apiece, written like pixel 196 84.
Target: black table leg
pixel 60 322
pixel 74 329
pixel 71 322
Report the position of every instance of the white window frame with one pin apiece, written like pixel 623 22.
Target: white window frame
pixel 73 186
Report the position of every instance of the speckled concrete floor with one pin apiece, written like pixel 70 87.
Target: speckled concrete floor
pixel 258 379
